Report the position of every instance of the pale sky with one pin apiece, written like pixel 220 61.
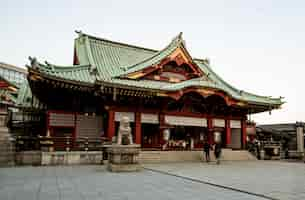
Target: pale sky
pixel 257 46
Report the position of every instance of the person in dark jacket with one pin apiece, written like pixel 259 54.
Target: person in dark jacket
pixel 217 152
pixel 206 149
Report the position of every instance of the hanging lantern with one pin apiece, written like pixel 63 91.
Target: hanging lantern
pixel 217 137
pixel 166 134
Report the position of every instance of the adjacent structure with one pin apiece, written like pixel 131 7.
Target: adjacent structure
pixel 174 101
pixel 15 75
pixel 290 135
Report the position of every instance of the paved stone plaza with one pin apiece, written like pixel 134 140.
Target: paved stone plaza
pixel 274 179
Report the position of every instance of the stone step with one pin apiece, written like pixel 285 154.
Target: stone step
pixel 182 156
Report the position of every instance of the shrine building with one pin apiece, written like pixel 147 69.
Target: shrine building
pixel 158 90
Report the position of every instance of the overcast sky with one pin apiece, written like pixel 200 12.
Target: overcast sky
pixel 257 46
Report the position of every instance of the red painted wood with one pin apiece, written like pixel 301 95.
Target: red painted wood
pixel 228 132
pixel 138 134
pixel 111 125
pixel 75 59
pixel 48 124
pixel 210 131
pixel 244 132
pixel 162 127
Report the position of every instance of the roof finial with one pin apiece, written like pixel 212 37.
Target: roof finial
pixel 180 35
pixel 79 32
pixel 34 62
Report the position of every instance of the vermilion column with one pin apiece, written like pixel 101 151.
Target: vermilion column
pixel 228 133
pixel 210 129
pixel 138 134
pixel 244 133
pixel 162 125
pixel 111 125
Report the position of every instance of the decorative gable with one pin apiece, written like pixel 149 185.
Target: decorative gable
pixel 176 67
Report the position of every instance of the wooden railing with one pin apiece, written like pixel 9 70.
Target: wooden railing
pixel 44 143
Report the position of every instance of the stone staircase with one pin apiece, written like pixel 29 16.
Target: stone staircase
pixel 192 156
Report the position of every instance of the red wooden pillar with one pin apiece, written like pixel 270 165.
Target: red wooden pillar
pixel 244 132
pixel 138 134
pixel 48 134
pixel 210 131
pixel 228 133
pixel 111 125
pixel 162 125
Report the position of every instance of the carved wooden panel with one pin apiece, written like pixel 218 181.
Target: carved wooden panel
pixel 149 118
pixel 235 124
pixel 218 122
pixel 118 116
pixel 185 121
pixel 60 119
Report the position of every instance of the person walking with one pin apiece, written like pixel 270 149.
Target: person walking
pixel 206 149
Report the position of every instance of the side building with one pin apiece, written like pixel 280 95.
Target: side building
pixel 15 75
pixel 173 101
pixel 289 135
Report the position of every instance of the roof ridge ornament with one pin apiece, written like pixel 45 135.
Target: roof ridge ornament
pixel 47 63
pixel 34 63
pixel 79 32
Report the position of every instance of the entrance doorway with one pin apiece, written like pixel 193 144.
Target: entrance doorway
pixel 150 135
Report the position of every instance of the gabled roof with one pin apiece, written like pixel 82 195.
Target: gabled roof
pixel 156 57
pixel 104 61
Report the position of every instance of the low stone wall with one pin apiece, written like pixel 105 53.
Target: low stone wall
pixel 58 158
pixel 28 158
pixel 96 157
pixel 71 158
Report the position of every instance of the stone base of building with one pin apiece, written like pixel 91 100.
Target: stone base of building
pixel 193 156
pixel 123 158
pixel 7 151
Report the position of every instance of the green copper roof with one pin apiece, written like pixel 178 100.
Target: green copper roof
pixel 79 73
pixel 24 95
pixel 111 59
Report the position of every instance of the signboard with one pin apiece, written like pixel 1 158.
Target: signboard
pixel 218 122
pixel 149 118
pixel 235 124
pixel 118 116
pixel 185 121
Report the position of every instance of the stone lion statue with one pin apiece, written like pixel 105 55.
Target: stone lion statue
pixel 124 134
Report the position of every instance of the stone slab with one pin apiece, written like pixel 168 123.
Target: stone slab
pixel 95 183
pixel 124 168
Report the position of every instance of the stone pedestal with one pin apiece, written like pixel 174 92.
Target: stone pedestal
pixel 123 158
pixel 7 152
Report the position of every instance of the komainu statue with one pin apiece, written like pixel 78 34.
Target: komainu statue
pixel 124 134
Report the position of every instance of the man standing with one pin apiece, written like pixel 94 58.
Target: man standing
pixel 206 149
pixel 217 152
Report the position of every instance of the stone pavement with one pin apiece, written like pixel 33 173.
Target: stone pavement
pixel 275 179
pixel 94 182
